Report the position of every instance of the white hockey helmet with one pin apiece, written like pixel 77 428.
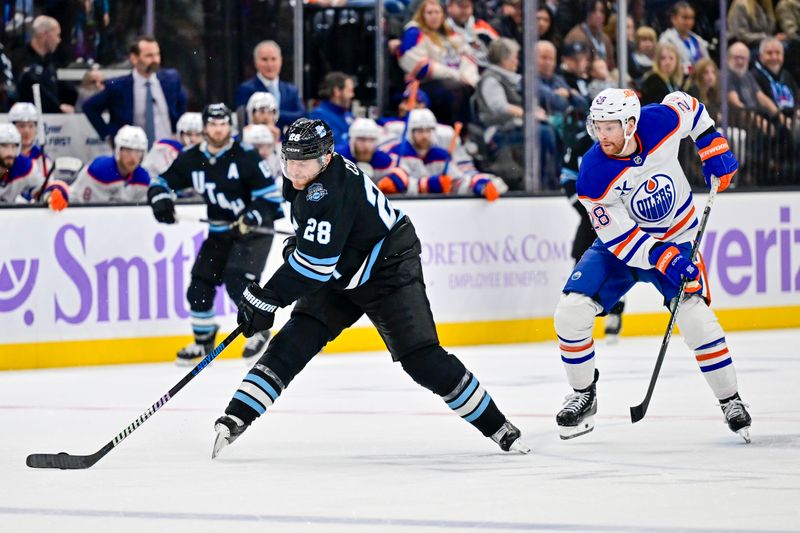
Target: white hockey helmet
pixel 419 119
pixel 23 112
pixel 364 128
pixel 257 134
pixel 614 104
pixel 131 137
pixel 261 100
pixel 190 122
pixel 10 135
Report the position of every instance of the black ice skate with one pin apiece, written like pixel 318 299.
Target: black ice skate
pixel 508 438
pixel 201 347
pixel 736 416
pixel 576 418
pixel 255 345
pixel 228 428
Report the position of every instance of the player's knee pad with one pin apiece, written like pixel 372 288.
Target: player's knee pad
pixel 298 341
pixel 200 294
pixel 434 368
pixel 574 316
pixel 236 281
pixel 698 323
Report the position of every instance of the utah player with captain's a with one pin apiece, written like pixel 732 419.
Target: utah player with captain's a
pixel 641 206
pixel 353 254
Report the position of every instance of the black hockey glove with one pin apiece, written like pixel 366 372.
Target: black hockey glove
pixel 289 245
pixel 256 310
pixel 162 204
pixel 248 221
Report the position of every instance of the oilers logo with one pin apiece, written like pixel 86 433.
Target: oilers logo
pixel 654 199
pixel 316 192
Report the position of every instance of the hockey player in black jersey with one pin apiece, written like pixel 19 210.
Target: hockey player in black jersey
pixel 354 254
pixel 240 191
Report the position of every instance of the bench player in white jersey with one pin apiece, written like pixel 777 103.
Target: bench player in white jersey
pixel 640 204
pixel 24 116
pixel 164 151
pixel 118 177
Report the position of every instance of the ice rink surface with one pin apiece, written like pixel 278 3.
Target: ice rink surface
pixel 354 445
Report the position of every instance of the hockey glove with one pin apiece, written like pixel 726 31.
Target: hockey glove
pixel 248 221
pixel 484 187
pixel 256 310
pixel 289 245
pixel 438 183
pixel 667 259
pixel 394 182
pixel 718 160
pixel 163 207
pixel 57 196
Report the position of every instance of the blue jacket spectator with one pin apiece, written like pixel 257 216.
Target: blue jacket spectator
pixel 125 98
pixel 268 62
pixel 337 91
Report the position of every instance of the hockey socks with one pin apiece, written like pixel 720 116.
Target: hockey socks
pixel 204 326
pixel 471 402
pixel 258 391
pixel 578 358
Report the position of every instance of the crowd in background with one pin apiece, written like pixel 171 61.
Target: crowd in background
pixel 455 82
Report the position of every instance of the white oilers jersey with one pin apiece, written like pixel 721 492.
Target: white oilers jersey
pixel 161 156
pixel 101 182
pixel 636 201
pixel 21 183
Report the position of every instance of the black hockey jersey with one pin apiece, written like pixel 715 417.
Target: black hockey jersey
pixel 342 221
pixel 231 181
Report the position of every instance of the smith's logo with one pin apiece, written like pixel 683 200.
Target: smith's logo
pixel 17 278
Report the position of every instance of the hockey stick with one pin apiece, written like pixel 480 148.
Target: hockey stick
pixel 412 104
pixel 229 225
pixel 456 134
pixel 638 411
pixel 40 136
pixel 65 461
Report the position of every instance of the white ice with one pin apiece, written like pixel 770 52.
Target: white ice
pixel 354 445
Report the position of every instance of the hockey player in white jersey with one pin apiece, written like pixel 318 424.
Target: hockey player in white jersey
pixel 262 140
pixel 118 177
pixel 641 206
pixel 164 151
pixel 262 108
pixel 20 181
pixel 362 148
pixel 24 116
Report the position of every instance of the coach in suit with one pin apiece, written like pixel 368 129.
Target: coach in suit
pixel 268 60
pixel 150 98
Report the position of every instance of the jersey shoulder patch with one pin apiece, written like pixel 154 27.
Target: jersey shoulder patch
pixel 657 123
pixel 22 166
pixel 381 160
pixel 598 172
pixel 171 143
pixel 104 169
pixel 436 154
pixel 140 177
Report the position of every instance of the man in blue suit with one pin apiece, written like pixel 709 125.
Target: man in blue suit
pixel 148 97
pixel 268 61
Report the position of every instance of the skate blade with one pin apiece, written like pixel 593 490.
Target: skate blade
pixel 570 432
pixel 223 434
pixel 745 434
pixel 520 447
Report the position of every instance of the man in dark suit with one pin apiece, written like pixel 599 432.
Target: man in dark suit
pixel 148 97
pixel 268 61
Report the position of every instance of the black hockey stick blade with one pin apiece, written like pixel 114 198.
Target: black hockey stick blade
pixel 65 461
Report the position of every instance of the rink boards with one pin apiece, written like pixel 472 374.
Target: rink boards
pixel 107 284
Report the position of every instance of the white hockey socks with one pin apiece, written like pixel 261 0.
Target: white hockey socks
pixel 573 319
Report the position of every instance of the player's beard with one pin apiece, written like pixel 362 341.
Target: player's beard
pixel 612 149
pixel 7 163
pixel 215 144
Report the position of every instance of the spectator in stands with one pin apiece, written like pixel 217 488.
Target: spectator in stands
pixel 704 85
pixel 508 23
pixel 744 93
pixel 8 85
pixel 24 116
pixel 34 64
pixel 149 97
pixel 555 95
pixel 476 33
pixel 262 108
pixel 787 15
pixel 117 178
pixel 336 91
pixel 546 27
pixel 20 181
pixel 600 78
pixel 500 112
pixel 666 76
pixel 439 58
pixel 642 60
pixel 590 33
pixel 362 149
pixel 751 21
pixel 575 67
pixel 691 47
pixel 774 81
pixel 268 61
pixel 93 82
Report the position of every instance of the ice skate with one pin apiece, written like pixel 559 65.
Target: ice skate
pixel 228 428
pixel 613 325
pixel 508 438
pixel 193 353
pixel 736 416
pixel 255 345
pixel 576 418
